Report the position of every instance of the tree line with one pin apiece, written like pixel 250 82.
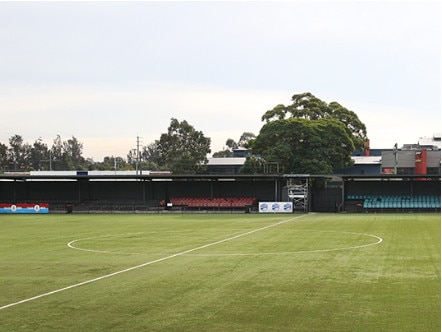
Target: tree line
pixel 309 136
pixel 23 156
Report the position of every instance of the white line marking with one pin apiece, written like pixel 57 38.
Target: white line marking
pixel 379 240
pixel 147 263
pixel 302 251
pixel 72 246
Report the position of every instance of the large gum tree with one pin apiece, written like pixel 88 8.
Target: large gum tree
pixel 309 136
pixel 307 106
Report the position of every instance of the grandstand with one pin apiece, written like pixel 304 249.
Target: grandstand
pixel 156 193
pixel 394 193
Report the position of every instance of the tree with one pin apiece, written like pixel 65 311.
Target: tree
pixel 226 153
pixel 72 154
pixel 18 153
pixel 183 150
pixel 306 146
pixel 39 156
pixel 307 106
pixel 22 156
pixel 150 153
pixel 253 165
pixel 244 141
pixel 57 154
pixel 132 157
pixel 231 144
pixel 3 156
pixel 110 164
pixel 63 155
pixel 67 155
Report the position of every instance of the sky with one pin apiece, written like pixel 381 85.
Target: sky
pixel 108 72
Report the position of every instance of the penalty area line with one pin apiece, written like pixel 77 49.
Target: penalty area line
pixel 146 264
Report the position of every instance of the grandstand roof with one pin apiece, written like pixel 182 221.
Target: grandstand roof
pixel 25 176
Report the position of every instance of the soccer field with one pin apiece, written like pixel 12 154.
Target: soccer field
pixel 220 272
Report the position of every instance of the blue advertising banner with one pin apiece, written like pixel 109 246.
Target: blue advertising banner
pixel 276 207
pixel 24 208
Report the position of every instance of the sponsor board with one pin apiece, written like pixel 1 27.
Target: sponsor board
pixel 24 208
pixel 275 207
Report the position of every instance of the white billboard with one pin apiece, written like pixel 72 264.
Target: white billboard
pixel 275 207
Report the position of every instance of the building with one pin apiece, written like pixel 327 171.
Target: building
pixel 420 158
pixel 225 165
pixel 430 142
pixel 411 162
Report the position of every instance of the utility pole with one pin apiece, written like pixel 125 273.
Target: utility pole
pixel 137 155
pixel 395 158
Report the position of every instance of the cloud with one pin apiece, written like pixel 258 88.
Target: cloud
pixel 389 124
pixel 107 119
pixel 109 72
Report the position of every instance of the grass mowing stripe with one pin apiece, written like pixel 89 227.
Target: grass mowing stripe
pixel 146 264
pixel 394 286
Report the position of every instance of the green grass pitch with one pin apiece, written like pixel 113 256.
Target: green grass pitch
pixel 220 272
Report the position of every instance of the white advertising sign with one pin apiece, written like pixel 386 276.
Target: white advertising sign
pixel 275 207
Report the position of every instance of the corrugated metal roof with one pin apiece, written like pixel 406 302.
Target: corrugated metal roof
pixel 364 160
pixel 226 161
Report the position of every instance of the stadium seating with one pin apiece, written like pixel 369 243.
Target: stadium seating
pixel 398 202
pixel 206 202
